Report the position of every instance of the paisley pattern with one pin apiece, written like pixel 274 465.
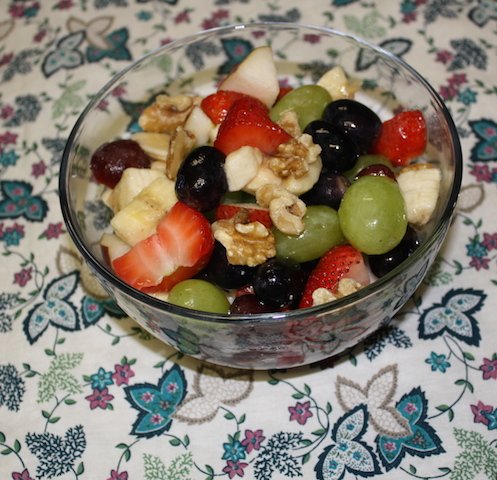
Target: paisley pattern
pixel 85 393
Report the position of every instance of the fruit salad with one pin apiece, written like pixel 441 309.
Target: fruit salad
pixel 258 198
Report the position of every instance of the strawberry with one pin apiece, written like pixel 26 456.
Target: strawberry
pixel 343 261
pixel 402 138
pixel 247 123
pixel 216 105
pixel 254 213
pixel 178 250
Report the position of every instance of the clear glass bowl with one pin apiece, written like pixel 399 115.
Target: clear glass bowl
pixel 195 64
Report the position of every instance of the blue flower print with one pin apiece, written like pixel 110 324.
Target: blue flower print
pixel 17 202
pixel 485 150
pixel 117 47
pixel 234 450
pixel 101 379
pixel 492 419
pixel 454 316
pixel 467 96
pixel 65 56
pixel 438 362
pixel 236 50
pixel 8 159
pixel 56 309
pixel 422 441
pixel 156 404
pixel 348 453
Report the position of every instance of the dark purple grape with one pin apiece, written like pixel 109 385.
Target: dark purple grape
pixel 328 190
pixel 109 161
pixel 338 151
pixel 225 274
pixel 378 170
pixel 249 303
pixel 382 264
pixel 356 120
pixel 279 283
pixel 201 181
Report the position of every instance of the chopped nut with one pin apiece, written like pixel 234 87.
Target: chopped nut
pixel 345 287
pixel 289 159
pixel 285 209
pixel 419 185
pixel 289 121
pixel 322 295
pixel 182 142
pixel 245 243
pixel 167 113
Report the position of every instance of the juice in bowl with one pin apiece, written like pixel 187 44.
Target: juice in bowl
pixel 257 202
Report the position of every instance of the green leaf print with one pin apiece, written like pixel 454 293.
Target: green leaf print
pixel 179 469
pixel 59 378
pixel 477 457
pixel 69 100
pixel 367 27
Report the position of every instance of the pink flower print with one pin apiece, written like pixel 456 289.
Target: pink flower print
pixel 23 277
pixel 300 412
pixel 479 411
pixel 389 446
pixel 312 38
pixel 182 17
pixel 115 475
pixel 489 368
pixel 7 111
pixel 147 397
pixel 16 11
pixel 410 408
pixel 457 79
pixel 39 36
pixel 490 241
pixel 24 475
pixel 38 169
pixel 479 263
pixel 118 91
pixel 8 138
pixel 122 374
pixel 65 5
pixel 157 419
pixel 6 59
pixel 444 56
pixel 447 92
pixel 253 440
pixel 54 230
pixel 482 173
pixel 172 387
pixel 234 468
pixel 99 399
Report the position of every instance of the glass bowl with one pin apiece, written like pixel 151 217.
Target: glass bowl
pixel 196 64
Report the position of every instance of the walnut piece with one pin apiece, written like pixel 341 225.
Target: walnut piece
pixel 285 209
pixel 289 121
pixel 182 142
pixel 245 243
pixel 345 287
pixel 167 113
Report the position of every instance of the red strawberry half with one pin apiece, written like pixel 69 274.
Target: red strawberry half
pixel 403 137
pixel 253 211
pixel 216 105
pixel 247 123
pixel 343 261
pixel 178 250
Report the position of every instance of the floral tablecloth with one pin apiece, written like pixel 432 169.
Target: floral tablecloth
pixel 409 403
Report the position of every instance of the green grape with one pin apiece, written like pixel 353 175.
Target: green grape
pixel 364 161
pixel 307 101
pixel 322 232
pixel 199 295
pixel 372 215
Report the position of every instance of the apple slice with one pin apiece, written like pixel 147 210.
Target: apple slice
pixel 255 76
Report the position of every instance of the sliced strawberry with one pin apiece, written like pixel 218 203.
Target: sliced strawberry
pixel 403 137
pixel 253 211
pixel 343 261
pixel 181 246
pixel 248 124
pixel 216 105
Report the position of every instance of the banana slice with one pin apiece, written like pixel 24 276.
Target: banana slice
pixel 419 185
pixel 155 145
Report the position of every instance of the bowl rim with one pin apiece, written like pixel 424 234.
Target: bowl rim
pixel 297 314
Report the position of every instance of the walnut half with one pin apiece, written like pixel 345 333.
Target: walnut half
pixel 245 243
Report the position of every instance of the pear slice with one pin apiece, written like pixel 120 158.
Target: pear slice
pixel 255 76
